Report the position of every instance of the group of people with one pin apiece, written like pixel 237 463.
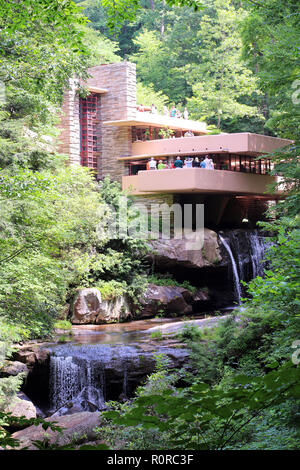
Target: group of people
pixel 206 163
pixel 176 113
pixel 173 112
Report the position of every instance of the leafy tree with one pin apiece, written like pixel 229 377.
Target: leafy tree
pixel 220 81
pixel 270 33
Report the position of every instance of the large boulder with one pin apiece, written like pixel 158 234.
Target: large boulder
pixel 32 355
pixel 114 310
pixel 172 253
pixel 76 427
pixel 165 300
pixel 88 308
pixel 22 406
pixel 13 368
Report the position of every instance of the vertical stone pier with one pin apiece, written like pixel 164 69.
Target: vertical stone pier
pixel 70 125
pixel 117 101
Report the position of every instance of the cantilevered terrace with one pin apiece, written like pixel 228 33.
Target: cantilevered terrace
pixel 236 169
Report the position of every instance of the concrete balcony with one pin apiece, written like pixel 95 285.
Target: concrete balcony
pixel 145 119
pixel 243 143
pixel 197 180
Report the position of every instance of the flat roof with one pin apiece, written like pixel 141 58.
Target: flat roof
pixel 96 89
pixel 156 120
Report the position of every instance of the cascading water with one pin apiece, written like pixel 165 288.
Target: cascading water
pixel 246 250
pixel 77 374
pixel 237 286
pixel 258 245
pixel 83 377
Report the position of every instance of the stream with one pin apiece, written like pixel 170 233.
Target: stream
pixel 108 362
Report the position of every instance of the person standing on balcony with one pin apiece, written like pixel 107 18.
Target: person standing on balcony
pixel 161 165
pixel 173 111
pixel 188 162
pixel 178 114
pixel 211 164
pixel 152 164
pixel 206 162
pixel 196 163
pixel 166 111
pixel 153 109
pixel 202 164
pixel 185 114
pixel 178 163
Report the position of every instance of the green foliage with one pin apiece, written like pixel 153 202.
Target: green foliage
pixel 211 418
pixel 167 280
pixel 224 90
pixel 63 325
pixel 157 335
pixel 111 289
pixel 6 420
pixel 269 32
pixel 146 95
pixel 189 332
pixel 125 10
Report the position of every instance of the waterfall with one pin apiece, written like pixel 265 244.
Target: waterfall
pixel 246 249
pixel 237 287
pixel 77 375
pixel 258 247
pixel 74 384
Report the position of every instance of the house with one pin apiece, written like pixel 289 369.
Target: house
pixel 108 132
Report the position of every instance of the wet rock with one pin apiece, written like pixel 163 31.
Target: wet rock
pixel 13 368
pixel 201 295
pixel 165 300
pixel 93 374
pixel 89 399
pixel 202 323
pixel 174 253
pixel 76 428
pixel 30 355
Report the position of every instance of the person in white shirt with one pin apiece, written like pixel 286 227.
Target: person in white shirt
pixel 207 163
pixel 185 114
pixel 153 109
pixel 211 164
pixel 152 164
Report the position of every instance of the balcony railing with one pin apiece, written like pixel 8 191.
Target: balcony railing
pixel 189 180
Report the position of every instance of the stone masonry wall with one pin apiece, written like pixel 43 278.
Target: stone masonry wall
pixel 160 199
pixel 69 139
pixel 117 104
